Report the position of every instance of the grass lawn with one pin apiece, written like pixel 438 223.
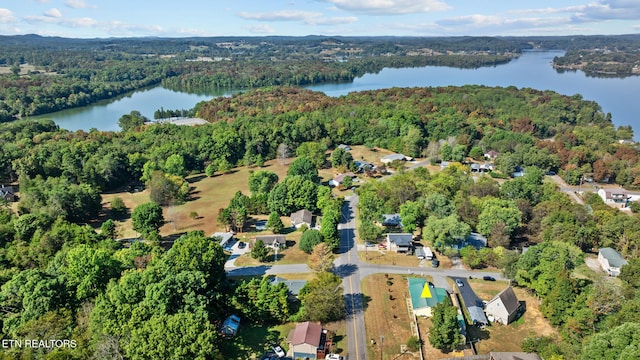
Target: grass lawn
pixel 290 255
pixel 386 314
pixel 499 337
pixel 208 194
pixel 252 342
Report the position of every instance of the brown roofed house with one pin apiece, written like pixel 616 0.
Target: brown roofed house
pixel 301 217
pixel 306 341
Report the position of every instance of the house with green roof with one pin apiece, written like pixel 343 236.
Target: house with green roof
pixel 425 296
pixel 611 261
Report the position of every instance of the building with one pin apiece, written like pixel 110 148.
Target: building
pixel 337 180
pixel 301 217
pixel 491 154
pixel 294 286
pixel 504 307
pixel 391 220
pixel 344 147
pixel 7 193
pixel 400 243
pixel 363 165
pixel 230 325
pixel 611 261
pixel 271 241
pixel 307 341
pixel 425 296
pixel 394 157
pixel 476 240
pixel 223 237
pixel 513 356
pixel 424 253
pixel 617 197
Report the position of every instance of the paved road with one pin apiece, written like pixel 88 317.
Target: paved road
pixel 348 268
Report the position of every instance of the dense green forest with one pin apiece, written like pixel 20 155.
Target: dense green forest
pixel 47 74
pixel 61 278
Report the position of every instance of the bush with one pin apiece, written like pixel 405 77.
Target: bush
pixel 414 343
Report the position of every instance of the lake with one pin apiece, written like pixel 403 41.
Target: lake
pixel 533 70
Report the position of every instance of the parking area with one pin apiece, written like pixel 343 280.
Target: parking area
pixel 236 248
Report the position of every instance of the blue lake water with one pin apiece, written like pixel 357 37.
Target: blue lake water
pixel 620 97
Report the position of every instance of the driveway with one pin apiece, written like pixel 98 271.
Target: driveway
pixel 235 253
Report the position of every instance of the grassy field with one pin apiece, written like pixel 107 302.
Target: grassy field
pixel 208 194
pixel 386 314
pixel 499 337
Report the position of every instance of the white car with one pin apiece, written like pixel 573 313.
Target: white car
pixel 333 357
pixel 278 350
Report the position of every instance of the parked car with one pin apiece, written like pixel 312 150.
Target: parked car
pixel 278 350
pixel 488 278
pixel 382 246
pixel 333 357
pixel 435 263
pixel 242 245
pixel 459 283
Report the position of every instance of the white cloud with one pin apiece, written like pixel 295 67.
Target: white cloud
pixel 284 15
pixel 306 17
pixel 260 29
pixel 53 12
pixel 76 4
pixel 389 7
pixel 67 22
pixel 6 16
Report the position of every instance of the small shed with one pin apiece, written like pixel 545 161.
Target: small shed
pixel 230 325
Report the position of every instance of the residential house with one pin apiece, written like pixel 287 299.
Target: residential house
pixel 7 193
pixel 223 238
pixel 513 356
pixel 476 240
pixel 363 165
pixel 504 307
pixel 308 341
pixel 337 180
pixel 344 147
pixel 491 154
pixel 230 325
pixel 611 261
pixel 481 168
pixel 271 241
pixel 301 217
pixel 391 220
pixel 294 286
pixel 400 243
pixel 393 157
pixel 425 296
pixel 614 196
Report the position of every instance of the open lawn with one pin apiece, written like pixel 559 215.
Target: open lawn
pixel 252 341
pixel 208 195
pixel 499 337
pixel 386 314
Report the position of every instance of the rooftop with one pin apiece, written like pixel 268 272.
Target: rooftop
pixel 614 257
pixel 421 298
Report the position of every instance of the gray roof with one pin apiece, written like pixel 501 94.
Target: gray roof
pixel 401 239
pixel 223 236
pixel 513 356
pixel 508 299
pixel 393 157
pixel 303 216
pixel 294 286
pixel 269 240
pixel 614 257
pixel 477 315
pixel 391 220
pixel 476 240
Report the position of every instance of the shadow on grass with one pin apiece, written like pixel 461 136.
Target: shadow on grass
pixel 196 178
pixel 251 342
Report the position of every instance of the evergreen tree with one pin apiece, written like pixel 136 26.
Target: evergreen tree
pixel 260 251
pixel 275 223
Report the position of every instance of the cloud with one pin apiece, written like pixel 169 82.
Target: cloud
pixel 76 4
pixel 306 17
pixel 67 22
pixel 496 24
pixel 609 10
pixel 260 29
pixel 389 7
pixel 53 12
pixel 6 16
pixel 284 15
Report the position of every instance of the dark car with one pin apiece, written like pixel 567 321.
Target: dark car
pixel 435 263
pixel 488 278
pixel 242 245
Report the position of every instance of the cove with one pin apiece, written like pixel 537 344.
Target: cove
pixel 533 69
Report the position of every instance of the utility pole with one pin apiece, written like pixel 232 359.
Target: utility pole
pixel 381 346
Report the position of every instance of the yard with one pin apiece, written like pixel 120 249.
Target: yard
pixel 252 341
pixel 499 337
pixel 386 315
pixel 208 194
pixel 290 255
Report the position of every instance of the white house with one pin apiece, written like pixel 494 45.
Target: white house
pixel 338 179
pixel 301 217
pixel 222 237
pixel 611 261
pixel 504 307
pixel 615 196
pixel 393 157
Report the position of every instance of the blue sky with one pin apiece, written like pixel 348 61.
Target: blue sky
pixel 126 18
